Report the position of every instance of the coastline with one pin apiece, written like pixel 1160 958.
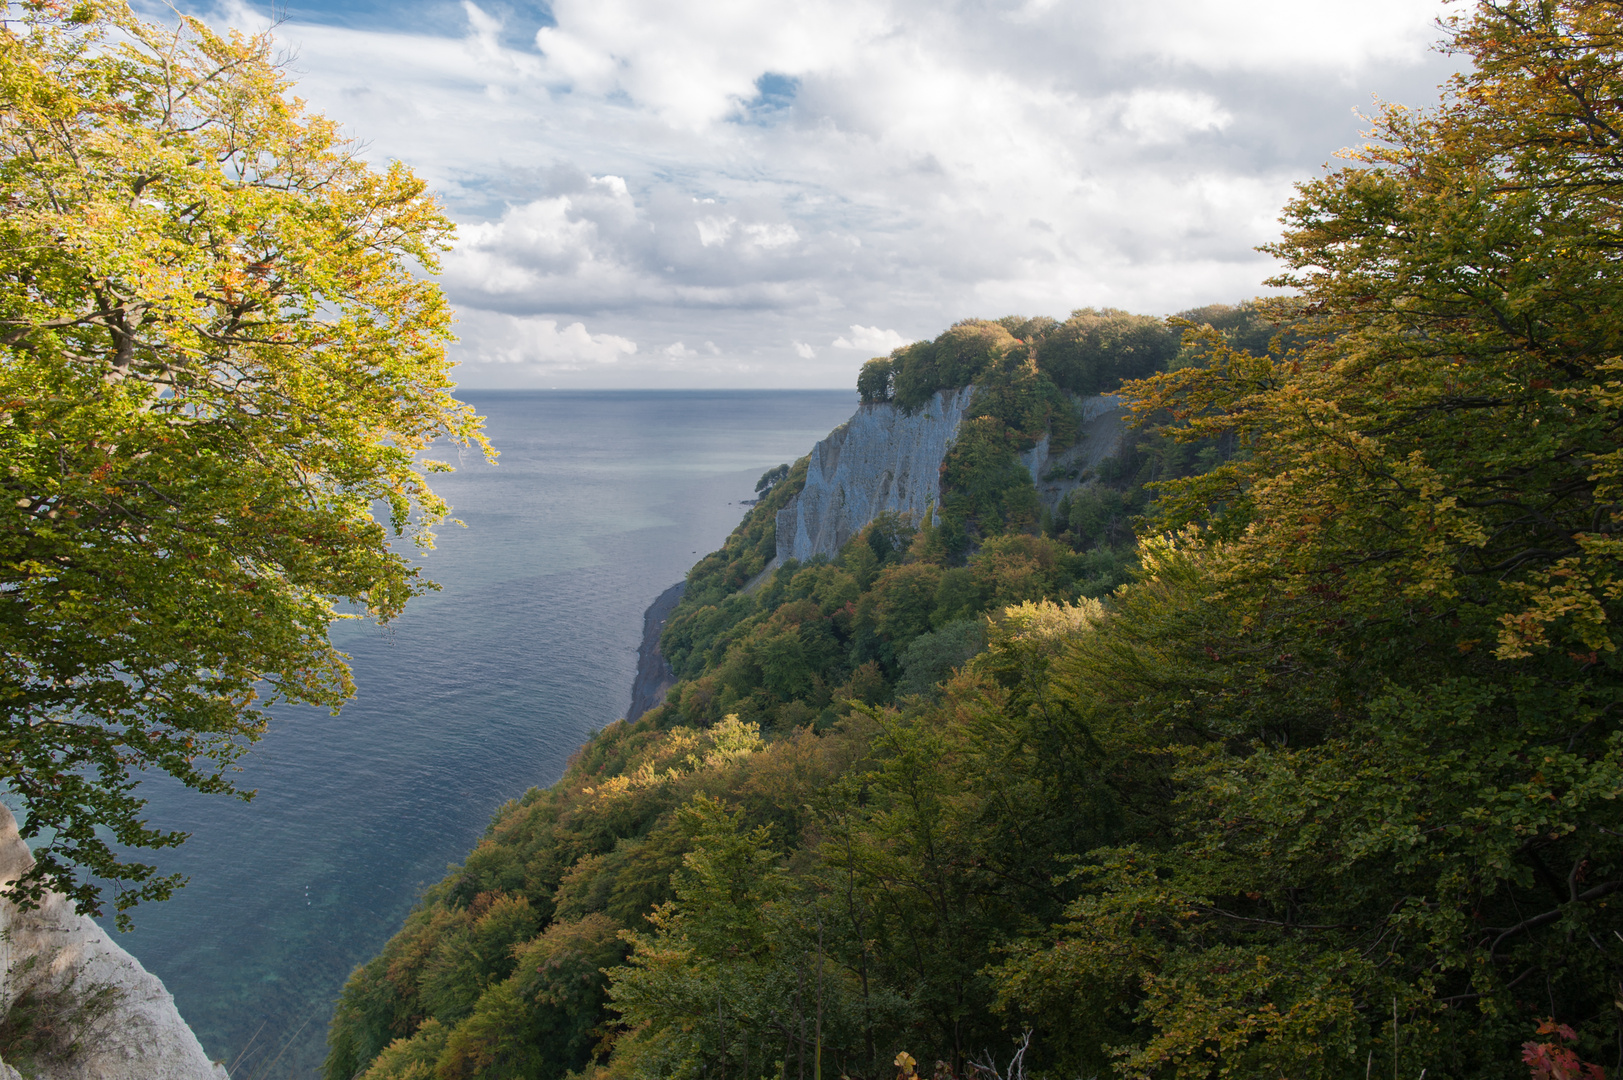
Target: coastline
pixel 654 675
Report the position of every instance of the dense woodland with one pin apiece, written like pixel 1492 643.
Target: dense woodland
pixel 795 691
pixel 1288 746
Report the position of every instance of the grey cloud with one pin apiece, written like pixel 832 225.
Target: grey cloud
pixel 785 174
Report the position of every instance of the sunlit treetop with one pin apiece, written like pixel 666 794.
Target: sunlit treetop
pixel 1449 447
pixel 220 348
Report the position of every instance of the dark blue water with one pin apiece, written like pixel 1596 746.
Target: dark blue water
pixel 600 501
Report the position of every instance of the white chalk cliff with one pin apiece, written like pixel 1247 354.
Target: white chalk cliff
pixel 885 460
pixel 1104 431
pixel 55 961
pixel 882 459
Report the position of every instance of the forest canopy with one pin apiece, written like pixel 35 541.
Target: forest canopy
pixel 1092 352
pixel 1328 780
pixel 219 350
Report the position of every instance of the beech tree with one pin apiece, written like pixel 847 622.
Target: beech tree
pixel 219 349
pixel 1373 685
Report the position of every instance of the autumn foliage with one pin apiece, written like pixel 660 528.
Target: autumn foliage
pixel 218 351
pixel 1332 787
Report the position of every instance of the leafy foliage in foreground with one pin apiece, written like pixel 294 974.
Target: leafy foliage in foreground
pixel 1334 784
pixel 217 352
pixel 1379 685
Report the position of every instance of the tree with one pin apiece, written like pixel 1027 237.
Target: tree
pixel 1381 673
pixel 1095 349
pixel 874 380
pixel 218 351
pixel 955 358
pixel 771 478
pixel 714 984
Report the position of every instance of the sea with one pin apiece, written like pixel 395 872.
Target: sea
pixel 600 500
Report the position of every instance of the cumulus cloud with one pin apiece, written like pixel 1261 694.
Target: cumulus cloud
pixel 758 176
pixel 541 345
pixel 871 339
pixel 1162 116
pixel 693 65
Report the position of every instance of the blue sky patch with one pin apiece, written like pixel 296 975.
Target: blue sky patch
pixel 773 94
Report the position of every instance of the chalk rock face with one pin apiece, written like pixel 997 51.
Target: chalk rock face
pixel 1104 434
pixel 885 460
pixel 882 459
pixel 60 962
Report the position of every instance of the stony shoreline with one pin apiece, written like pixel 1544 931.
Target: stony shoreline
pixel 654 675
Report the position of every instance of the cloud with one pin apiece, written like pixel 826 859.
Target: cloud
pixel 760 176
pixel 1276 34
pixel 770 236
pixel 871 339
pixel 714 231
pixel 540 343
pixel 1160 116
pixel 693 65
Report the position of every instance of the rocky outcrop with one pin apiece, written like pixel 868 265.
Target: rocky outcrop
pixel 1104 433
pixel 654 675
pixel 882 459
pixel 60 972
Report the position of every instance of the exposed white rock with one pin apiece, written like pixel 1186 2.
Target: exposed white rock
pixel 125 1022
pixel 883 459
pixel 1104 432
pixel 880 460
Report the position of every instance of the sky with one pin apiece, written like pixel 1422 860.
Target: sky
pixel 756 193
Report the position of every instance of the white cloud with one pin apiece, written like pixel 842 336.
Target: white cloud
pixel 746 173
pixel 537 238
pixel 871 339
pixel 542 343
pixel 715 231
pixel 1160 116
pixel 1276 34
pixel 804 351
pixel 771 236
pixel 695 64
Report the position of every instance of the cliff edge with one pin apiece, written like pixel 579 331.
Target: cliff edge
pixel 75 1005
pixel 886 460
pixel 881 460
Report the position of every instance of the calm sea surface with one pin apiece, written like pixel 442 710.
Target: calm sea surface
pixel 600 501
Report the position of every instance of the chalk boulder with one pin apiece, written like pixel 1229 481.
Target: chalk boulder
pixel 60 971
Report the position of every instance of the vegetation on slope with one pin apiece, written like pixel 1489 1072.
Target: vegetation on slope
pixel 905 606
pixel 1334 783
pixel 781 735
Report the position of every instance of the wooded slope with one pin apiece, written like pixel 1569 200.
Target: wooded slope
pixel 1330 785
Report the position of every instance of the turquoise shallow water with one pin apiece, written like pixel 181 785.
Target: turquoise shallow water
pixel 600 501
